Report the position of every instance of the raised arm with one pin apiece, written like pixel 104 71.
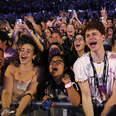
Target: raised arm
pixel 36 39
pixel 36 26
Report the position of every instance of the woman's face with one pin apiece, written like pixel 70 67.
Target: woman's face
pixel 56 66
pixel 47 33
pixel 26 54
pixel 63 28
pixel 79 43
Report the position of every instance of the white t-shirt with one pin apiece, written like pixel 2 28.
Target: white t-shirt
pixel 84 71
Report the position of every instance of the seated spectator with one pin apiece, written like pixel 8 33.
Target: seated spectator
pixel 20 80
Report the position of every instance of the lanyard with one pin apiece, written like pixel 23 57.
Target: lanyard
pixel 96 82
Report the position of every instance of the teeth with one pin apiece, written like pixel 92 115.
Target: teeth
pixel 23 57
pixel 78 45
pixel 93 43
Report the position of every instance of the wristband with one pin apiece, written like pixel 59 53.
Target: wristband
pixel 29 94
pixel 4 112
pixel 30 32
pixel 33 23
pixel 68 85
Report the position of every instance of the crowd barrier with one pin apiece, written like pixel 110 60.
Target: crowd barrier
pixel 60 109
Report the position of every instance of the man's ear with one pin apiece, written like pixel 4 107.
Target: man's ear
pixel 103 36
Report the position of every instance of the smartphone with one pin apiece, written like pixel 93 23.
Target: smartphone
pixel 47 104
pixel 19 21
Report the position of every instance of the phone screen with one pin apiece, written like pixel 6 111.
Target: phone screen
pixel 47 104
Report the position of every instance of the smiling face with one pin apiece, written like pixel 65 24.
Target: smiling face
pixel 56 67
pixel 26 54
pixel 47 33
pixel 79 43
pixel 94 39
pixel 70 31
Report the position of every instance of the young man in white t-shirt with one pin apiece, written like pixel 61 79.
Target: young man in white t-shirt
pixel 95 72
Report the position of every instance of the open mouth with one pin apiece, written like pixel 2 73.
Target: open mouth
pixel 54 69
pixel 23 57
pixel 93 43
pixel 78 45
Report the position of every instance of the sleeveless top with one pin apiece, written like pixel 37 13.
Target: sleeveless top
pixel 20 87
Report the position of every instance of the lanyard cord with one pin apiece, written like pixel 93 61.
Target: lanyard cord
pixel 96 82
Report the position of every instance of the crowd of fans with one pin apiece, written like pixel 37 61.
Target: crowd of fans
pixel 36 60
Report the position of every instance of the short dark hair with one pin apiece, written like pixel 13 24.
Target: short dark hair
pixel 95 25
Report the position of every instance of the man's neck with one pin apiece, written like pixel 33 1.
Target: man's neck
pixel 80 53
pixel 98 56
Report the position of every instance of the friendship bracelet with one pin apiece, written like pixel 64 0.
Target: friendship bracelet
pixel 68 85
pixel 30 31
pixel 28 94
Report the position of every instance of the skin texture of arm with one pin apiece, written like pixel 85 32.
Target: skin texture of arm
pixel 110 102
pixel 36 39
pixel 86 98
pixel 38 42
pixel 73 94
pixel 8 87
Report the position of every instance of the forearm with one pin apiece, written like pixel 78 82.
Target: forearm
pixel 39 44
pixel 108 105
pixel 37 28
pixel 87 106
pixel 23 104
pixel 74 96
pixel 6 99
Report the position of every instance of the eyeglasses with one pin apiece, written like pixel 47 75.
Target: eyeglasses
pixel 79 39
pixel 56 61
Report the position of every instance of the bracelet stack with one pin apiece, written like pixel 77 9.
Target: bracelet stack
pixel 68 84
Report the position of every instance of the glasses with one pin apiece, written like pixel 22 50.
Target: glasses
pixel 56 61
pixel 79 39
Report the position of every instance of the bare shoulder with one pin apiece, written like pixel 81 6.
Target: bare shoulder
pixel 10 71
pixel 11 68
